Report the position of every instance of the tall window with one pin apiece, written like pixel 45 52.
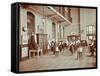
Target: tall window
pixel 91 31
pixel 53 30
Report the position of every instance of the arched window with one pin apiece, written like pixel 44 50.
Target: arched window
pixel 30 23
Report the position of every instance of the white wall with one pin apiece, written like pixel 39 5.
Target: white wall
pixel 49 29
pixel 23 35
pixel 23 21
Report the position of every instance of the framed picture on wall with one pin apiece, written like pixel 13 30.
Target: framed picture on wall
pixel 49 37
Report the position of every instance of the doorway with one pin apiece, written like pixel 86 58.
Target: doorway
pixel 31 30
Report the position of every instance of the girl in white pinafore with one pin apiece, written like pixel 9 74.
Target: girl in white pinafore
pixel 79 52
pixel 57 51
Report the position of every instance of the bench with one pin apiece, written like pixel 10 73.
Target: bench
pixel 39 52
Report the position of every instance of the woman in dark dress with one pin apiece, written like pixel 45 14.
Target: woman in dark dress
pixel 71 48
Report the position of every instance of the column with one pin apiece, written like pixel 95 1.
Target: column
pixel 56 32
pixel 79 22
pixel 61 32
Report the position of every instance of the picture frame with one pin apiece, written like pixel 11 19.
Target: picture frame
pixel 53 37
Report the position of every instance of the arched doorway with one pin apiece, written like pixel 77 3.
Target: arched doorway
pixel 30 23
pixel 31 30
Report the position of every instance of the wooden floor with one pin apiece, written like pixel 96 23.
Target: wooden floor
pixel 63 61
